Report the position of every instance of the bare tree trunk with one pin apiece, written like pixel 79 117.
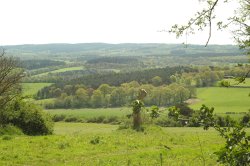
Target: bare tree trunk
pixel 137 120
pixel 137 106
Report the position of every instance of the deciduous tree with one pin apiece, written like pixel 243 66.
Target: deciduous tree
pixel 10 76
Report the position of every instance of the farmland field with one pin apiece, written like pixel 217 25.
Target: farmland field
pixel 32 88
pixel 224 99
pixel 102 144
pixel 60 71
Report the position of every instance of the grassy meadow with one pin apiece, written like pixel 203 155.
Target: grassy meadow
pixel 224 99
pixel 92 144
pixel 32 88
pixel 103 144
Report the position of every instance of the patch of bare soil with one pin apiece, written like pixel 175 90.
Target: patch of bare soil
pixel 192 101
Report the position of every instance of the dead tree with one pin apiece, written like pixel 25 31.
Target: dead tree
pixel 137 107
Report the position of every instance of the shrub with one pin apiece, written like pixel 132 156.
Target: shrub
pixel 220 121
pixel 71 119
pixel 168 122
pixel 246 120
pixel 194 121
pixel 112 120
pixel 10 130
pixel 184 109
pixel 28 117
pixel 99 119
pixel 57 118
pixel 7 137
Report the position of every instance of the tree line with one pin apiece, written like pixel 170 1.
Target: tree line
pixel 178 88
pixel 78 96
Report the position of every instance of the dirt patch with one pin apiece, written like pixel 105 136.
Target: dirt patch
pixel 192 101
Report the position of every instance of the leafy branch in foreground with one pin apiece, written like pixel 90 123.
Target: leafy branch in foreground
pixel 236 150
pixel 203 19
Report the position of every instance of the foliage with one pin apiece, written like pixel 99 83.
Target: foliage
pixel 116 59
pixel 116 79
pixel 10 76
pixel 40 63
pixel 246 119
pixel 184 109
pixel 236 151
pixel 154 112
pixel 27 116
pixel 137 106
pixel 203 19
pixel 10 130
pixel 174 113
pixel 79 96
pixel 168 122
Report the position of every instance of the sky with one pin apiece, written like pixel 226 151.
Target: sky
pixel 106 21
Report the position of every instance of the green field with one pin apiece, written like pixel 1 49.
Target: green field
pixel 33 88
pixel 71 145
pixel 60 70
pixel 224 99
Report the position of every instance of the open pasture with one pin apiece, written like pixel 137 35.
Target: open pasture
pixel 102 144
pixel 224 99
pixel 33 88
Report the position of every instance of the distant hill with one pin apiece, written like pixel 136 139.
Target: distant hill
pixel 45 51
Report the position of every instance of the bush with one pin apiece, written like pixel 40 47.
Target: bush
pixel 7 137
pixel 71 119
pixel 57 118
pixel 10 130
pixel 28 117
pixel 99 119
pixel 246 120
pixel 112 120
pixel 184 109
pixel 168 122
